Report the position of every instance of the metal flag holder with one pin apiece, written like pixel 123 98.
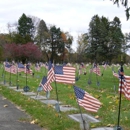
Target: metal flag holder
pixel 57 106
pixel 26 88
pixel 10 76
pixel 3 72
pixel 17 85
pixel 89 80
pixel 97 83
pixel 84 125
pixel 4 75
pixel 121 75
pixel 104 69
pixel 114 87
pixel 78 75
pixel 47 92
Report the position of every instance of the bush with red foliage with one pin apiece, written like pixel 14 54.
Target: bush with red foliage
pixel 22 52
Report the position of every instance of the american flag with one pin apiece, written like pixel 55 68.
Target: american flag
pixel 79 69
pixel 124 84
pixel 87 101
pixel 21 67
pixel 37 67
pixel 50 74
pixel 61 74
pixel 10 68
pixel 115 74
pixel 64 74
pixel 46 86
pixel 105 65
pixel 49 79
pixel 13 69
pixel 45 65
pixel 27 69
pixel 96 70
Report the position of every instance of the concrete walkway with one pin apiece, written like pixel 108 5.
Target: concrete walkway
pixel 11 117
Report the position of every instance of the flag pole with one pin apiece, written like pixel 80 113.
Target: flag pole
pixel 121 74
pixel 57 98
pixel 3 70
pixel 80 111
pixel 104 69
pixel 26 88
pixel 4 77
pixel 89 80
pixel 47 92
pixel 17 86
pixel 10 76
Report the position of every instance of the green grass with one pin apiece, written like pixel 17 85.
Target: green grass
pixel 47 117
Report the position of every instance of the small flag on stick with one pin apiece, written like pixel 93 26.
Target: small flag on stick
pixel 87 101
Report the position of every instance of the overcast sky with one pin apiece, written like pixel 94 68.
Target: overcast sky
pixel 70 15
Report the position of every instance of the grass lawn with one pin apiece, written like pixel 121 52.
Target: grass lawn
pixel 47 117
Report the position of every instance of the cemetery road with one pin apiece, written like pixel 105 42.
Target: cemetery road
pixel 12 118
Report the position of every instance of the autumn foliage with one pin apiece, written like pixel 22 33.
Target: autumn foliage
pixel 22 52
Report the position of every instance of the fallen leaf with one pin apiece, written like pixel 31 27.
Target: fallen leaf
pixel 93 126
pixel 97 117
pixel 5 105
pixel 112 125
pixel 3 98
pixel 108 125
pixel 32 122
pixel 126 118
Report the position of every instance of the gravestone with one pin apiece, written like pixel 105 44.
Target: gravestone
pixel 52 102
pixel 18 90
pixel 38 97
pixel 65 108
pixel 29 93
pixel 86 117
pixel 84 120
pixel 12 87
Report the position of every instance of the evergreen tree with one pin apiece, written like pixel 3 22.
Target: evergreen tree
pixel 105 38
pixel 25 29
pixel 42 34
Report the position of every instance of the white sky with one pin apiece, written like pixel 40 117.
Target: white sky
pixel 73 16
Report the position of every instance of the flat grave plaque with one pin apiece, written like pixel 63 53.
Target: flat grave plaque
pixel 29 93
pixel 18 90
pixel 38 97
pixel 86 117
pixel 65 108
pixel 12 87
pixel 52 102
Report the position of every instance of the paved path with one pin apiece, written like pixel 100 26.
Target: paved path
pixel 10 117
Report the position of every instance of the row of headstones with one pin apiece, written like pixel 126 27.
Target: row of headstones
pixel 63 108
